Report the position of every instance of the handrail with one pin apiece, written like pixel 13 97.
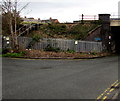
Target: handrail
pixel 26 30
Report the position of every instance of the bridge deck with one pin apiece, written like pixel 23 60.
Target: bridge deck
pixel 115 23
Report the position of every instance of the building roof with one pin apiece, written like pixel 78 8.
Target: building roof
pixel 40 21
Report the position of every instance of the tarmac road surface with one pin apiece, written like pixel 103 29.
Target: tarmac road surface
pixel 57 79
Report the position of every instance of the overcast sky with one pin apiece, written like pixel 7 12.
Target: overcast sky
pixel 69 10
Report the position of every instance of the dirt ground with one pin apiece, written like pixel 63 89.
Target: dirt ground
pixel 46 54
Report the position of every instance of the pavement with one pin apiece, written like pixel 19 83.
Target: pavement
pixel 58 79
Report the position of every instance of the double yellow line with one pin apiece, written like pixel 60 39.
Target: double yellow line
pixel 108 91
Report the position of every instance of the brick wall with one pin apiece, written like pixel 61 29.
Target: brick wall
pixel 94 34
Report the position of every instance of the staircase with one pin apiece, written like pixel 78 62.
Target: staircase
pixel 25 29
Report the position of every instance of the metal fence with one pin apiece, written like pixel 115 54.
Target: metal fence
pixel 62 44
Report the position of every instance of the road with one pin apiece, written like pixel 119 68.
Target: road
pixel 58 79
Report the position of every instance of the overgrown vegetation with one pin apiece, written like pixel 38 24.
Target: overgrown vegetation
pixel 35 38
pixel 78 31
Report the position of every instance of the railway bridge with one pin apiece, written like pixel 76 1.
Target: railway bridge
pixel 115 31
pixel 110 32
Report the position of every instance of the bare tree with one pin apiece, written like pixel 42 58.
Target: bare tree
pixel 9 9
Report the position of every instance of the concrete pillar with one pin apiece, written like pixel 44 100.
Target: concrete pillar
pixel 105 30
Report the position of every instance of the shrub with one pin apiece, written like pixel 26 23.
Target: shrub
pixel 50 48
pixel 6 50
pixel 36 38
pixel 23 52
pixel 70 51
pixel 93 53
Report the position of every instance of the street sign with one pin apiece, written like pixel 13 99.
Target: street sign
pixel 98 39
pixel 76 42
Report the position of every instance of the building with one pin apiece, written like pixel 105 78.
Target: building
pixel 50 21
pixel 31 20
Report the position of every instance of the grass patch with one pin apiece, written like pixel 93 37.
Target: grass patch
pixel 12 55
pixel 20 54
